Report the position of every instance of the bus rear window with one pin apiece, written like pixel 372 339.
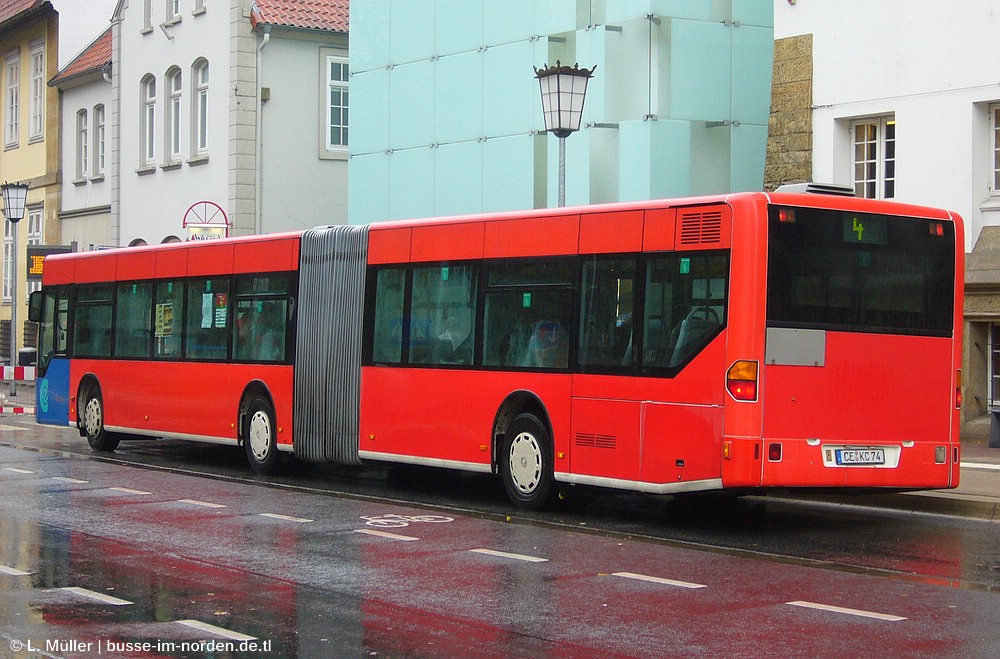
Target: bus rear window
pixel 860 272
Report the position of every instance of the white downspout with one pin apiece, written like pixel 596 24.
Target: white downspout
pixel 259 192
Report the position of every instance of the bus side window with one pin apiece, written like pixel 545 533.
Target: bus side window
pixel 685 306
pixel 92 321
pixel 168 314
pixel 133 311
pixel 443 313
pixel 606 313
pixel 205 330
pixel 387 347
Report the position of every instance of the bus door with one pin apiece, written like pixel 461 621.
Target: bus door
pixel 649 406
pixel 50 309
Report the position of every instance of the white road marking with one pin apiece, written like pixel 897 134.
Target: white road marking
pixel 980 465
pixel 100 597
pixel 128 490
pixel 18 471
pixel 204 504
pixel 850 612
pixel 66 479
pixel 12 571
pixel 659 580
pixel 218 631
pixel 516 557
pixel 287 518
pixel 386 534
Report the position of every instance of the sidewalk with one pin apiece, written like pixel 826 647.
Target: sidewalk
pixel 977 495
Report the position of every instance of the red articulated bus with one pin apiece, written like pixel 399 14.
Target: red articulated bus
pixel 749 340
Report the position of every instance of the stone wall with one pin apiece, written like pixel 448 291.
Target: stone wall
pixel 789 142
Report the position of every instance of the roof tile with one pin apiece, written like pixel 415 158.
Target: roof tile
pixel 11 8
pixel 332 15
pixel 93 57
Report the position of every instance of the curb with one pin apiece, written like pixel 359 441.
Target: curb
pixel 925 503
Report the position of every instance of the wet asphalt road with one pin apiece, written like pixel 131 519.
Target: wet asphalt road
pixel 404 562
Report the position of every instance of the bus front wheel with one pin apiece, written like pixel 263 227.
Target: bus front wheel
pixel 93 422
pixel 526 463
pixel 259 436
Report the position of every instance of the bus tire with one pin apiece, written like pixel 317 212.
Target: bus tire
pixel 526 465
pixel 92 420
pixel 260 436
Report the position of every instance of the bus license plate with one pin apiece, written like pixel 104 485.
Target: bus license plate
pixel 860 456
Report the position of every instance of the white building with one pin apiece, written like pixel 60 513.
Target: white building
pixel 220 123
pixel 906 105
pixel 85 112
pixel 904 99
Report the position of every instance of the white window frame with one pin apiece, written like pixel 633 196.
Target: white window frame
pixel 173 10
pixel 873 157
pixel 199 7
pixel 147 16
pixel 12 99
pixel 147 123
pixel 994 110
pixel 36 93
pixel 200 77
pixel 100 134
pixel 336 101
pixel 34 218
pixel 82 145
pixel 172 148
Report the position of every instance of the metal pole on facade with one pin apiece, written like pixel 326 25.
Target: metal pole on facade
pixel 562 172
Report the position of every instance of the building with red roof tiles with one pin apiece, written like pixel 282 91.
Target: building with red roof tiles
pixel 12 11
pixel 325 15
pixel 86 99
pixel 241 109
pixel 96 57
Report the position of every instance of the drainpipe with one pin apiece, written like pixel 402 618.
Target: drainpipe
pixel 259 185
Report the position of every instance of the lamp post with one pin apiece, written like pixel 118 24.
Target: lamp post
pixel 14 197
pixel 563 91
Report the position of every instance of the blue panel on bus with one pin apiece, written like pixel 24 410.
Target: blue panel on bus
pixel 52 394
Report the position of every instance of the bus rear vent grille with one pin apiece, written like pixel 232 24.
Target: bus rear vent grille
pixel 591 440
pixel 701 227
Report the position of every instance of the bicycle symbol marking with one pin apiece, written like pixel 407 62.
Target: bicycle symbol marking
pixel 393 521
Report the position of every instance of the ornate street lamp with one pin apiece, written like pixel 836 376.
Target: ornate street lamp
pixel 14 197
pixel 563 92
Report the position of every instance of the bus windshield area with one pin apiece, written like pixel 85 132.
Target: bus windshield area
pixel 860 272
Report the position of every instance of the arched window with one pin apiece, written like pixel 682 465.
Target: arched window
pixel 199 108
pixel 173 121
pixel 147 137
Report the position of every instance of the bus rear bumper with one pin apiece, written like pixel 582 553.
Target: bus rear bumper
pixel 814 463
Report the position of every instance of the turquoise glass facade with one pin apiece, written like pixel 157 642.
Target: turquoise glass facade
pixel 446 114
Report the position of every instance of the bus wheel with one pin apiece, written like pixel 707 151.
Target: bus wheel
pixel 259 437
pixel 526 463
pixel 93 422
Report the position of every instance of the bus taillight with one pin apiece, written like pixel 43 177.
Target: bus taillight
pixel 741 380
